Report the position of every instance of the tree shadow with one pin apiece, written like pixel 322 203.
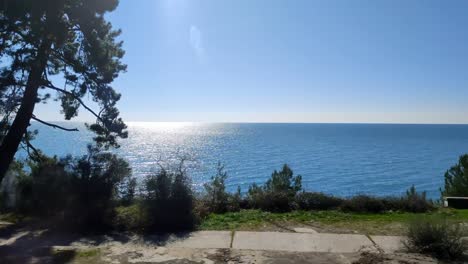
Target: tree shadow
pixel 27 244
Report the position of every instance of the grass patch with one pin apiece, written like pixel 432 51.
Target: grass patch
pixel 88 253
pixel 84 256
pixel 389 223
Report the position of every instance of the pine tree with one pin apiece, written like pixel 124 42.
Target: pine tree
pixel 49 40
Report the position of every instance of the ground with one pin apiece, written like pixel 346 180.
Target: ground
pixel 26 243
pixel 40 246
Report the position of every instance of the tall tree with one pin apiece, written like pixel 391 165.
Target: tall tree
pixel 68 39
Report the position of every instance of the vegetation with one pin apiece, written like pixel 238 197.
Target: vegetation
pixel 78 192
pixel 278 193
pixel 317 201
pixel 412 202
pixel 50 40
pixel 334 221
pixel 169 200
pixel 456 179
pixel 215 198
pixel 436 236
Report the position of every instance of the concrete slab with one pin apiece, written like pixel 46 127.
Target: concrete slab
pixel 305 230
pixel 335 243
pixel 389 244
pixel 203 239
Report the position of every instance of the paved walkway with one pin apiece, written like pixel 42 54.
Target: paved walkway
pixel 302 246
pixel 279 241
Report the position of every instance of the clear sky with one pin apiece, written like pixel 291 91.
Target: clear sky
pixel 292 61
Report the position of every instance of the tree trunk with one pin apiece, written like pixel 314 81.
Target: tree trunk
pixel 19 126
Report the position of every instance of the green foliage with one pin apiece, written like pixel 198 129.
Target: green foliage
pixel 435 236
pixel 284 181
pixel 317 201
pixel 456 179
pixel 65 47
pixel 416 202
pixel 82 47
pixel 215 198
pixel 95 181
pixel 79 193
pixel 127 190
pixel 412 202
pixel 169 201
pixel 131 217
pixel 278 193
pixel 363 203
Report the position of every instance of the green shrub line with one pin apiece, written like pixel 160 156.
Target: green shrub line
pixel 97 190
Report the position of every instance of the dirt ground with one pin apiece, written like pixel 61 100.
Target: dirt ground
pixel 24 245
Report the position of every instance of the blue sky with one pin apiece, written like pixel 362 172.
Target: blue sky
pixel 292 61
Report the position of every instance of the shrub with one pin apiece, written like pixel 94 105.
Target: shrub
pixel 169 201
pixel 363 204
pixel 132 217
pixel 79 193
pixel 412 202
pixel 95 182
pixel 235 201
pixel 435 236
pixel 270 201
pixel 317 201
pixel 215 197
pixel 456 178
pixel 416 202
pixel 127 190
pixel 278 193
pixel 284 181
pixel 393 203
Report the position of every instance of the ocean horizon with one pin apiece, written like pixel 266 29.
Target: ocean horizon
pixel 342 159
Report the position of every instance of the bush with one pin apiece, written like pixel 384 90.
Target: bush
pixel 79 193
pixel 456 179
pixel 127 191
pixel 363 204
pixel 270 201
pixel 317 201
pixel 278 193
pixel 95 181
pixel 436 237
pixel 216 199
pixel 169 201
pixel 132 217
pixel 412 202
pixel 416 202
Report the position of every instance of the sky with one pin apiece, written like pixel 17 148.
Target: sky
pixel 292 61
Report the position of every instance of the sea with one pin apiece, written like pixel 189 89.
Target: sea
pixel 338 159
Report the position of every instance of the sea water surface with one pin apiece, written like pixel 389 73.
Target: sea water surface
pixel 340 159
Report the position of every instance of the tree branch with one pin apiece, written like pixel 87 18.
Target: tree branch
pixel 53 125
pixel 50 86
pixel 37 155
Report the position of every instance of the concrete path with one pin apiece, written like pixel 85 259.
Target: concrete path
pixel 292 242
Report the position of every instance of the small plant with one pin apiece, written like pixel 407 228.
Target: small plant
pixel 435 236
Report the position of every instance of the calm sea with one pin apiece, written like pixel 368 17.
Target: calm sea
pixel 341 159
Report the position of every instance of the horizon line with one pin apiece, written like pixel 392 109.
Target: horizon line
pixel 266 122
